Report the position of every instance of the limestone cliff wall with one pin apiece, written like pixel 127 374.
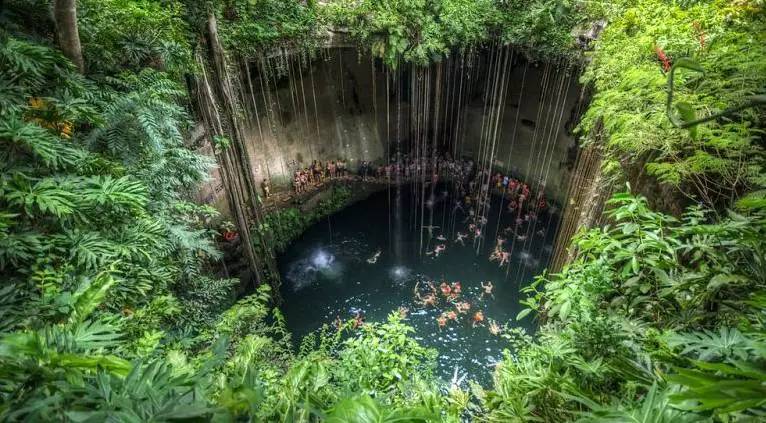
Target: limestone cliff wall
pixel 343 104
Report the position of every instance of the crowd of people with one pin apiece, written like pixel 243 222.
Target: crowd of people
pixel 473 188
pixel 317 172
pixel 401 170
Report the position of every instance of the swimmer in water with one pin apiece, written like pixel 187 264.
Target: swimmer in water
pixel 486 289
pixel 441 238
pixel 541 232
pixel 403 311
pixel 451 315
pixel 504 258
pixel 446 290
pixel 463 307
pixel 439 249
pixel 425 300
pixel 374 258
pixel 458 206
pixel 338 323
pixel 461 238
pixel 441 320
pixel 358 319
pixel 495 254
pixel 478 318
pixel 494 328
pixel 457 288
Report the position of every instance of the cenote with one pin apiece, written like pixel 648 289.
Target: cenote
pixel 327 274
pixel 383 211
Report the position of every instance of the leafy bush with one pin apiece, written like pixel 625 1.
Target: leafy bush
pixel 644 319
pixel 725 157
pixel 282 226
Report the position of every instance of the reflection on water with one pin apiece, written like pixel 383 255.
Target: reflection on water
pixel 373 265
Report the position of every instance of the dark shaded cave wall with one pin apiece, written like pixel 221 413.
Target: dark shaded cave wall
pixel 539 114
pixel 343 104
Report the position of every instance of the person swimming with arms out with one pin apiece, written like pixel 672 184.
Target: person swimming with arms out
pixel 441 238
pixel 494 328
pixel 457 289
pixel 441 321
pixel 486 289
pixel 505 257
pixel 461 238
pixel 374 258
pixel 427 300
pixel 445 289
pixel 403 312
pixel 463 307
pixel 439 249
pixel 358 319
pixel 478 318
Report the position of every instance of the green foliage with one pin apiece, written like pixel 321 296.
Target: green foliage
pixel 134 34
pixel 642 324
pixel 92 225
pixel 365 409
pixel 383 360
pixel 425 31
pixel 108 311
pixel 252 27
pixel 543 28
pixel 280 227
pixel 716 160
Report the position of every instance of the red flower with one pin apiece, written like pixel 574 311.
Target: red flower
pixel 663 58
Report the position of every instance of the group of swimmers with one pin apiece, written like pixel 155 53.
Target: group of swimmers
pixel 473 201
pixel 317 172
pixel 450 295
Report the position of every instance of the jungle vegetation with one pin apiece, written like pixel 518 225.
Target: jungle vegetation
pixel 112 307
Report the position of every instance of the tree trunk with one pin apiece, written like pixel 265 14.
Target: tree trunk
pixel 65 16
pixel 235 160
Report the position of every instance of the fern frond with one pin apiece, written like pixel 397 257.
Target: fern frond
pixel 21 138
pixel 89 295
pixel 88 249
pixel 121 194
pixel 46 196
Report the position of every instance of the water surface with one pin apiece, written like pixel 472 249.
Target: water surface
pixel 326 272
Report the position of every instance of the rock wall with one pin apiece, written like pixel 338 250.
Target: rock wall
pixel 535 138
pixel 343 104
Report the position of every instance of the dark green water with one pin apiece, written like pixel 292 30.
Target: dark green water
pixel 326 274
